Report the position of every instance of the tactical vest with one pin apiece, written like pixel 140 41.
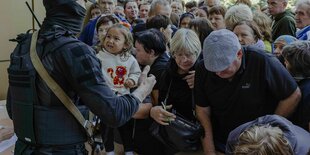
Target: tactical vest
pixel 35 124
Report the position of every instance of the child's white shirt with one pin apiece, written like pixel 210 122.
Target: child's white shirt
pixel 116 70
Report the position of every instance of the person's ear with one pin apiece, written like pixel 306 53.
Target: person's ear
pixel 239 54
pixel 152 52
pixel 126 46
pixel 285 4
pixel 162 30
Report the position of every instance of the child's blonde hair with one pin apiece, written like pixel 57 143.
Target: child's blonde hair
pixel 263 140
pixel 127 35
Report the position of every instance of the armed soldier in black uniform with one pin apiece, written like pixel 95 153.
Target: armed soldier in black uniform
pixel 42 123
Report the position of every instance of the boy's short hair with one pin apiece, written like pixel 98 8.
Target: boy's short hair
pixel 218 10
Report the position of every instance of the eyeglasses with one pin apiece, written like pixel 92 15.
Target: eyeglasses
pixel 187 55
pixel 92 1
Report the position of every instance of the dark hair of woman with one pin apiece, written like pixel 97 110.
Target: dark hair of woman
pixel 205 9
pixel 152 39
pixel 202 26
pixel 184 15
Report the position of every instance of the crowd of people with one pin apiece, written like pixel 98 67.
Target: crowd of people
pixel 246 71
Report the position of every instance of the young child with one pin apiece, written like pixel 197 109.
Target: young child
pixel 120 69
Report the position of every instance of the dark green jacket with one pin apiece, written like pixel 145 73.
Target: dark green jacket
pixel 283 24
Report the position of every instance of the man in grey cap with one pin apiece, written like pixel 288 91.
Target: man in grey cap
pixel 235 84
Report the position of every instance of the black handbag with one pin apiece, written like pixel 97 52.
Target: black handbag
pixel 181 134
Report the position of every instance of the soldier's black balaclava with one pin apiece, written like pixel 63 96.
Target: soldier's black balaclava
pixel 65 13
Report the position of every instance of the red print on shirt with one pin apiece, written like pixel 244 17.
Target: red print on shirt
pixel 120 73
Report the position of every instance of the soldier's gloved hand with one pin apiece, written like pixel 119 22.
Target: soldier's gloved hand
pixel 145 84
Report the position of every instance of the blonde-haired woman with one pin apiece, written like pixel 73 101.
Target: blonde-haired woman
pixel 237 13
pixel 177 80
pixel 264 24
pixel 268 135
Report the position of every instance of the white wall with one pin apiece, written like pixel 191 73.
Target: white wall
pixel 15 18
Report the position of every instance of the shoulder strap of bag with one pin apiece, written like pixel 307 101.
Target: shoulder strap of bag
pixel 193 104
pixel 57 90
pixel 167 95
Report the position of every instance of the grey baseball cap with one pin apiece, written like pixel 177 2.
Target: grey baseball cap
pixel 220 50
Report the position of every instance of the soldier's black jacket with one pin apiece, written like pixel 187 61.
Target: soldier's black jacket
pixel 76 69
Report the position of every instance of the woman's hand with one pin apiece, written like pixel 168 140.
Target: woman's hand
pixel 6 133
pixel 190 79
pixel 162 116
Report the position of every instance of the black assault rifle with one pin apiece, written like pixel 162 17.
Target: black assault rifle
pixel 33 15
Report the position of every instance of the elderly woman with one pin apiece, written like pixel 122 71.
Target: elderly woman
pixel 174 86
pixel 302 18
